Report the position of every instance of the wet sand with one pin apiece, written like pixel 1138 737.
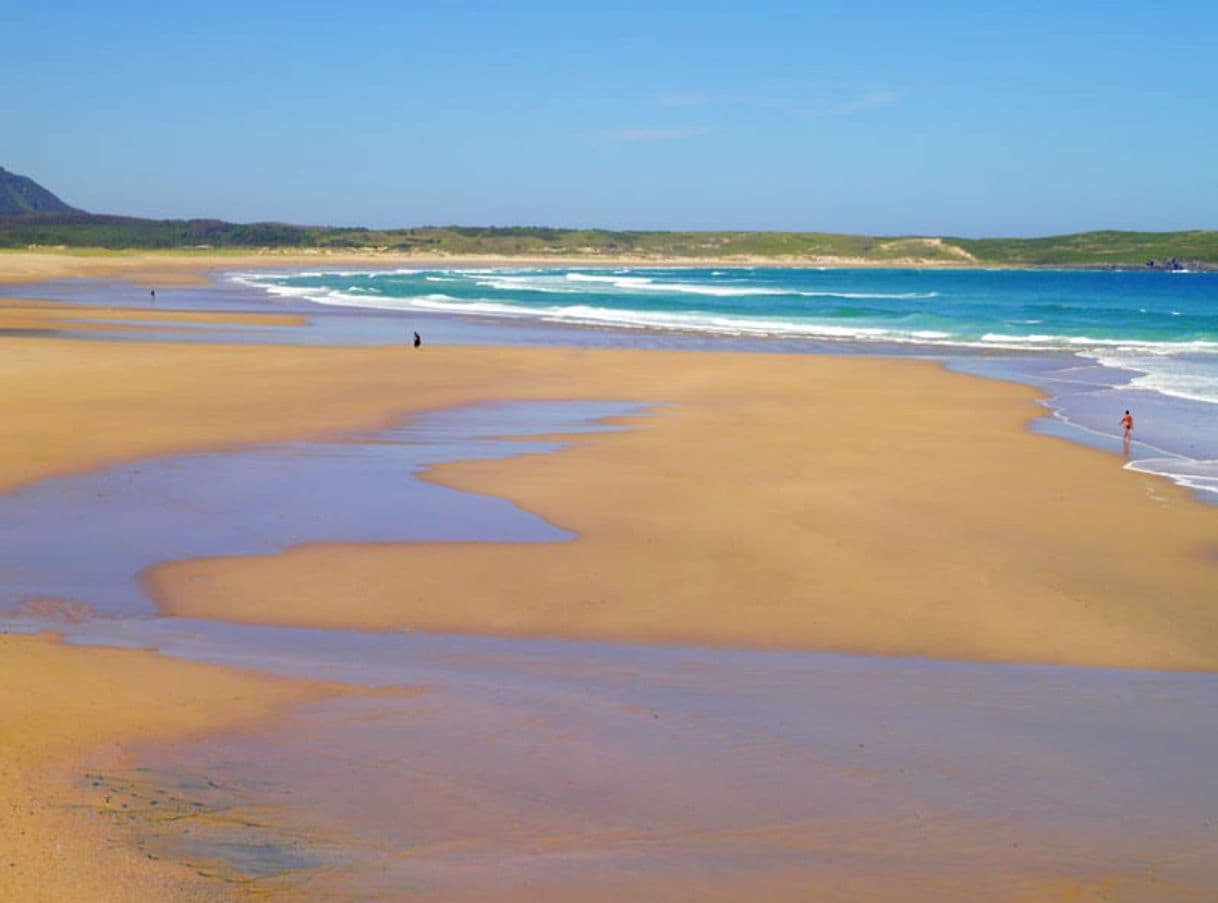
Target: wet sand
pixel 34 316
pixel 864 505
pixel 856 505
pixel 58 538
pixel 149 268
pixel 66 712
pixel 563 771
pixel 799 502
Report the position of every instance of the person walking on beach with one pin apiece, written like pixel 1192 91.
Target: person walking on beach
pixel 153 293
pixel 418 340
pixel 1127 425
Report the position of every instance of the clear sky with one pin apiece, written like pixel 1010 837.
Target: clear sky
pixel 956 118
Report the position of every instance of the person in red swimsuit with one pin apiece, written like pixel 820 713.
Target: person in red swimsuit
pixel 1127 423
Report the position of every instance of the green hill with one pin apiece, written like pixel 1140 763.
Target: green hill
pixel 1096 248
pixel 22 196
pixel 31 216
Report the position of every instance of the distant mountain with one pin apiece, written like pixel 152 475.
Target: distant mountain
pixel 22 196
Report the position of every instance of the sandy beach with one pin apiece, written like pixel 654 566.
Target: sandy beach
pixel 852 505
pixel 67 715
pixel 793 502
pixel 601 454
pixel 176 268
pixel 777 501
pixel 36 316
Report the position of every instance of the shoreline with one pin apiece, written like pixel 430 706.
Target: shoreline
pixel 170 268
pixel 69 714
pixel 1164 452
pixel 18 315
pixel 789 498
pixel 785 564
pixel 892 445
pixel 175 268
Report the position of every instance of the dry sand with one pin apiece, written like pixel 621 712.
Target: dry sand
pixel 810 502
pixel 168 268
pixel 27 315
pixel 779 501
pixel 67 711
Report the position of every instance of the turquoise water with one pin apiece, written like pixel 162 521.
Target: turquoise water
pixel 1097 342
pixel 1165 326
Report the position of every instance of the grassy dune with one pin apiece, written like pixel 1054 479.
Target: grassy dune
pixel 80 231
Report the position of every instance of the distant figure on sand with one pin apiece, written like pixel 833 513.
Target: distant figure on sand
pixel 153 293
pixel 1127 423
pixel 418 340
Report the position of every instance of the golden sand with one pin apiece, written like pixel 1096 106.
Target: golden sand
pixel 809 502
pixel 20 315
pixel 779 501
pixel 774 501
pixel 180 268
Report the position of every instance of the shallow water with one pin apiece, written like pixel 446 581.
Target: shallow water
pixel 1149 339
pixel 533 769
pixel 1175 437
pixel 557 768
pixel 1042 308
pixel 88 537
pixel 1088 386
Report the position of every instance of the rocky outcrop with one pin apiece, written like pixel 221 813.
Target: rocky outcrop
pixel 1176 264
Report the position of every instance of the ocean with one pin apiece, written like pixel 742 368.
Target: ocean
pixel 1097 342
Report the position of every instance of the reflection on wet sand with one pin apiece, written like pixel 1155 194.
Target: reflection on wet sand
pixel 87 538
pixel 565 770
pixel 559 770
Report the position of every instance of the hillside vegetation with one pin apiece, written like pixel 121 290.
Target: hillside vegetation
pixel 33 217
pixel 1096 248
pixel 20 195
pixel 76 230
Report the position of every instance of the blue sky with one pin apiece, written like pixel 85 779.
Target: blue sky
pixel 965 118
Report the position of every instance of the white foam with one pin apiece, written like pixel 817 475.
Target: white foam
pixel 1190 376
pixel 593 315
pixel 294 291
pixel 1018 339
pixel 879 296
pixel 448 303
pixel 649 284
pixel 1079 342
pixel 604 316
pixel 724 325
pixel 571 282
pixel 1201 476
pixel 596 277
pixel 1182 369
pixel 544 284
